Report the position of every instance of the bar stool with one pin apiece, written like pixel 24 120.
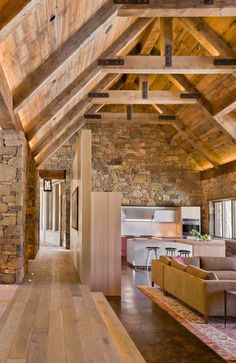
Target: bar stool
pixel 170 251
pixel 184 253
pixel 150 249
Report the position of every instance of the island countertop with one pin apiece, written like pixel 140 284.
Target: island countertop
pixel 189 242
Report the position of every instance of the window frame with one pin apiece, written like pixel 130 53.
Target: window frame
pixel 233 218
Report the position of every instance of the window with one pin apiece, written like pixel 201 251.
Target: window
pixel 224 220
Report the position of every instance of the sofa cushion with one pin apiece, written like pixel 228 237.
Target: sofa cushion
pixel 218 263
pixel 179 265
pixel 226 275
pixel 202 274
pixel 166 260
pixel 193 261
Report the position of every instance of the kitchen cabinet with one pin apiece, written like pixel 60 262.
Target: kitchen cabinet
pixel 166 216
pixel 191 213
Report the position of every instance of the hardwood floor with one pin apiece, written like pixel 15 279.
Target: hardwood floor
pixel 53 319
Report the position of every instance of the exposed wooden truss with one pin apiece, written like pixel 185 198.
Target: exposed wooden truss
pixel 141 118
pixel 172 8
pixel 154 32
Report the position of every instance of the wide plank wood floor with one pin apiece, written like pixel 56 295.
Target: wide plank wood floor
pixel 53 319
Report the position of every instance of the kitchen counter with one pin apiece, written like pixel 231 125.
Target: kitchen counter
pixel 137 251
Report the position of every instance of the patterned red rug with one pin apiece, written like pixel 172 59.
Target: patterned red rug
pixel 219 339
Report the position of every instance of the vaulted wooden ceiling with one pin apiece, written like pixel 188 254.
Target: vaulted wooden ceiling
pixel 169 64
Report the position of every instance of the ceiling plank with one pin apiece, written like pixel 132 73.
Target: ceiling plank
pixel 180 65
pixel 173 8
pixel 62 139
pixel 13 13
pixel 8 101
pixel 69 118
pixel 207 37
pixel 47 71
pixel 135 97
pixel 83 83
pixel 193 139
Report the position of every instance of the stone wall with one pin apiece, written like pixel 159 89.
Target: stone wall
pixel 221 187
pixel 15 236
pixel 139 162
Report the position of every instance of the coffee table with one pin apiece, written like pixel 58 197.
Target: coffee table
pixel 228 292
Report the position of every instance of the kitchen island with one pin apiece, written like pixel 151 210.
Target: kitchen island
pixel 137 251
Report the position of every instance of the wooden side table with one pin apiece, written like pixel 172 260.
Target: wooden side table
pixel 228 292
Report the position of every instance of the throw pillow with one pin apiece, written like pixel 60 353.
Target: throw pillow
pixel 198 272
pixel 178 265
pixel 166 260
pixel 178 258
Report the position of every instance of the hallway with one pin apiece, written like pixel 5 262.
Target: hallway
pixel 53 319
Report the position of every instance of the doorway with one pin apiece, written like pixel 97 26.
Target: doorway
pixel 53 209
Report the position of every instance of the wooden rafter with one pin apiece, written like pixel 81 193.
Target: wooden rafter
pixel 13 13
pixel 166 34
pixel 192 139
pixel 71 117
pixel 6 99
pixel 207 37
pixel 184 84
pixel 5 117
pixel 181 65
pixel 173 8
pixel 48 70
pixel 226 168
pixel 85 81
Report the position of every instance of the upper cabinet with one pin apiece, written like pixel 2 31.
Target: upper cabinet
pixel 191 212
pixel 166 216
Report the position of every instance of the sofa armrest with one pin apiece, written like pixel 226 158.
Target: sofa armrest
pixel 214 292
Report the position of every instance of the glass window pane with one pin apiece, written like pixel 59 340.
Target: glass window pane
pixel 227 219
pixel 218 219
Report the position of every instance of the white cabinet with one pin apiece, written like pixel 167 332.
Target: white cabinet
pixel 191 212
pixel 166 215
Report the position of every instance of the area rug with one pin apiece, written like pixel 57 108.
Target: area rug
pixel 219 339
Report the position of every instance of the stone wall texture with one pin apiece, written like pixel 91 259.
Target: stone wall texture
pixel 15 236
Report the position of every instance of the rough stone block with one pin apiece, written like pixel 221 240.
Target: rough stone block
pixel 7 173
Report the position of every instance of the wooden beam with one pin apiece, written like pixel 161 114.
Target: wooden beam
pixel 85 81
pixel 69 118
pixel 52 174
pixel 193 140
pixel 48 70
pixel 173 8
pixel 226 106
pixel 6 97
pixel 5 117
pixel 207 37
pixel 150 37
pixel 135 97
pixel 180 65
pixel 62 139
pixel 226 168
pixel 143 118
pixel 183 84
pixel 166 36
pixel 13 13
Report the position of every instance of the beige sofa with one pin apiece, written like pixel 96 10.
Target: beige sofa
pixel 200 282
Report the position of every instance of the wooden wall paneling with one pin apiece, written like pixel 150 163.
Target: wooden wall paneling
pixel 106 243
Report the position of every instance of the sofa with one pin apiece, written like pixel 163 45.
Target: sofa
pixel 199 282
